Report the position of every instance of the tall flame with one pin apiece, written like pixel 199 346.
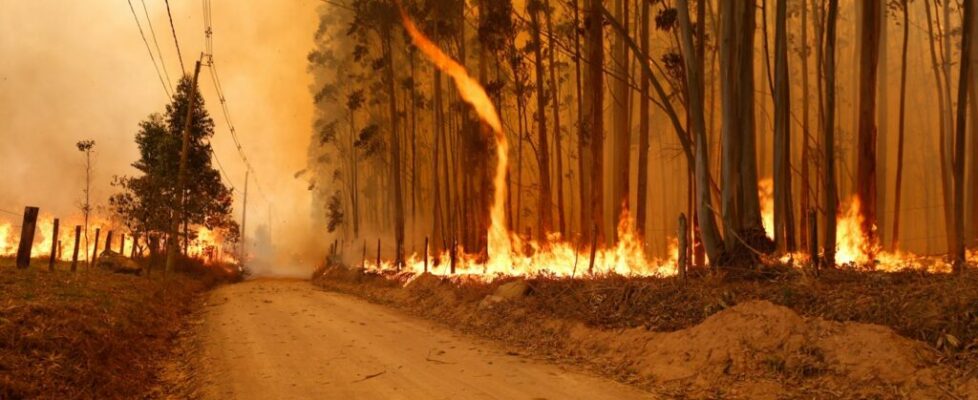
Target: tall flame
pixel 500 246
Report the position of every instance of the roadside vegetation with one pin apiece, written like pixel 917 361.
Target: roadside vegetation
pixel 613 325
pixel 91 334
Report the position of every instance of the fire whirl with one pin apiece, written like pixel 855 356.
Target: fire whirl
pixel 510 255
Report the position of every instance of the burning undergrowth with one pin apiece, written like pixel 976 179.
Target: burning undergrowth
pixel 925 325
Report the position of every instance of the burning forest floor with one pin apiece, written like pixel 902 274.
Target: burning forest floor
pixel 847 334
pixel 91 333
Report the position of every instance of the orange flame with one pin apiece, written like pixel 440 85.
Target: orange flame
pixel 209 245
pixel 556 257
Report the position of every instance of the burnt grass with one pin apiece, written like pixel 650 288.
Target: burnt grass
pixel 937 309
pixel 89 334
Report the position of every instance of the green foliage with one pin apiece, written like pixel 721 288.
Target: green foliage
pixel 146 203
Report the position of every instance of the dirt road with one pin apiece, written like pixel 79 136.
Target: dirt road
pixel 278 339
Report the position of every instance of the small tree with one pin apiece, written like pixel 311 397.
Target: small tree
pixel 147 203
pixel 87 147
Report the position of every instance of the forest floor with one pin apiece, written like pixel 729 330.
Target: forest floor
pixel 847 334
pixel 88 334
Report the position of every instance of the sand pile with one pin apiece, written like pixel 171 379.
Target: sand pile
pixel 761 350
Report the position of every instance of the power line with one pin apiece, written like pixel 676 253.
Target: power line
pixel 173 29
pixel 152 31
pixel 150 50
pixel 222 99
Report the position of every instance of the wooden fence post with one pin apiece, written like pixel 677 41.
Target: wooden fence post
pixel 54 244
pixel 108 241
pixel 594 248
pixel 363 264
pixel 27 237
pixel 426 254
pixel 378 253
pixel 74 256
pixel 91 261
pixel 454 254
pixel 122 245
pixel 682 262
pixel 813 239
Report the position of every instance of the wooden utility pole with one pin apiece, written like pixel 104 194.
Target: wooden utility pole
pixel 26 237
pixel 74 256
pixel 244 222
pixel 54 245
pixel 177 215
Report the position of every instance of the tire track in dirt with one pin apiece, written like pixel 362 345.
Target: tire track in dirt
pixel 287 339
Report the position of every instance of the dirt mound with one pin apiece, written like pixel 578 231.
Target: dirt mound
pixel 757 348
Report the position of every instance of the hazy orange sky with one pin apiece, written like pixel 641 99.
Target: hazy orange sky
pixel 72 70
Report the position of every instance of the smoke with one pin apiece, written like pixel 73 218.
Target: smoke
pixel 79 70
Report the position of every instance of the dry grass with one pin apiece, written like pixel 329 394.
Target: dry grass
pixel 939 310
pixel 90 334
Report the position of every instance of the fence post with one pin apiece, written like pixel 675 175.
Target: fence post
pixel 74 256
pixel 426 254
pixel 813 239
pixel 122 245
pixel 682 261
pixel 91 261
pixel 594 248
pixel 108 241
pixel 454 254
pixel 378 253
pixel 54 244
pixel 27 237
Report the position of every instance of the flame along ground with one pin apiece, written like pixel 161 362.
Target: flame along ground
pixel 510 255
pixel 208 245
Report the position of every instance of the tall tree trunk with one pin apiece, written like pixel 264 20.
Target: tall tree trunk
pixel 555 101
pixel 595 112
pixel 972 184
pixel 783 212
pixel 882 122
pixel 740 206
pixel 621 133
pixel 643 130
pixel 828 134
pixel 583 133
pixel 437 230
pixel 395 155
pixel 704 210
pixel 544 200
pixel 943 107
pixel 806 144
pixel 901 127
pixel 866 163
pixel 958 252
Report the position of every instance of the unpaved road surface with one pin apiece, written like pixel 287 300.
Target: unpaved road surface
pixel 279 339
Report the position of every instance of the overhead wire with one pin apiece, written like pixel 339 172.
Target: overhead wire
pixel 164 82
pixel 173 29
pixel 152 31
pixel 222 99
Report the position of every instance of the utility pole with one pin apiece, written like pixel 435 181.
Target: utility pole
pixel 172 245
pixel 244 221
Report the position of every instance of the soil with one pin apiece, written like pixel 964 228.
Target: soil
pixel 751 349
pixel 287 339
